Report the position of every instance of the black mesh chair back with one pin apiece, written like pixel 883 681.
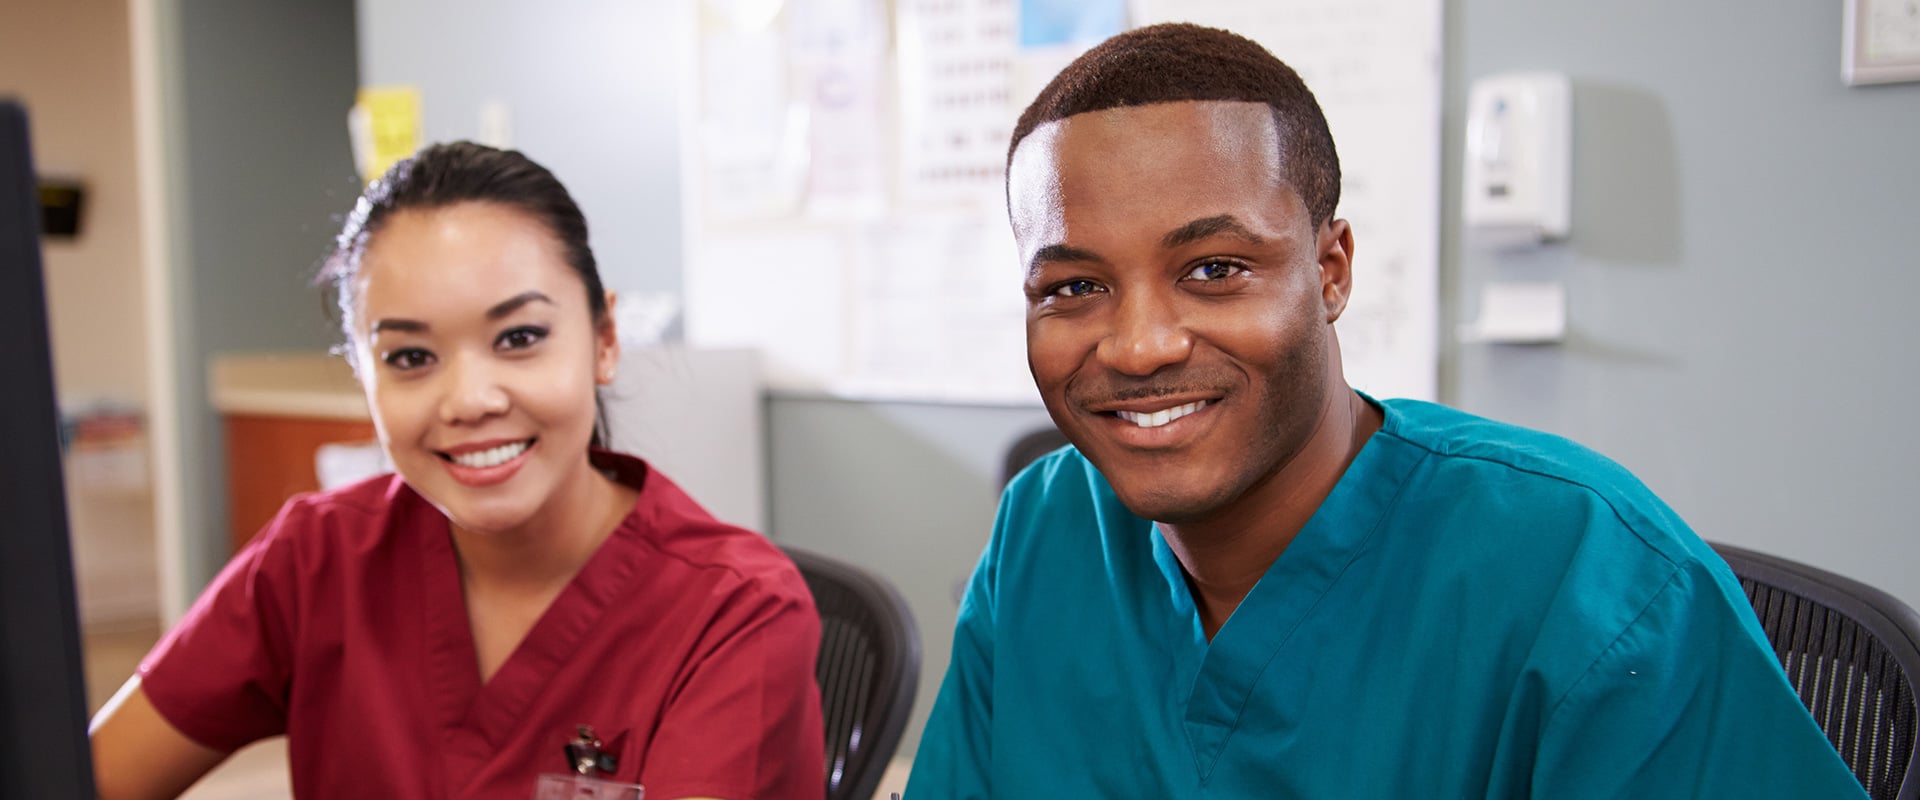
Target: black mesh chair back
pixel 868 670
pixel 1028 449
pixel 1853 653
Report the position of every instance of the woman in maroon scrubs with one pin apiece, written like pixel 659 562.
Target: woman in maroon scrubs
pixel 445 632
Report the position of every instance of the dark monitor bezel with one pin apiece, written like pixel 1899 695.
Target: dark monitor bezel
pixel 43 695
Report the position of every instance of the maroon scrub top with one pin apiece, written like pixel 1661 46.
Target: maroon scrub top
pixel 688 644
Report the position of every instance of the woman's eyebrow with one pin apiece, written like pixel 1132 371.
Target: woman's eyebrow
pixel 402 325
pixel 514 303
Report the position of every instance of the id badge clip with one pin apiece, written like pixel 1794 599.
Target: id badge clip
pixel 586 755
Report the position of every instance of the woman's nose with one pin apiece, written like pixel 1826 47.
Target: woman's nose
pixel 473 392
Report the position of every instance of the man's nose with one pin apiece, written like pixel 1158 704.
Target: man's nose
pixel 1148 334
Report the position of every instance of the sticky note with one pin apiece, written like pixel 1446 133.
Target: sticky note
pixel 385 126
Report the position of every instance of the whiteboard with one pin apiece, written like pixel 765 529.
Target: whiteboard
pixel 844 168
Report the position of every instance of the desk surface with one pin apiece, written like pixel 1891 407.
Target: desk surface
pixel 294 384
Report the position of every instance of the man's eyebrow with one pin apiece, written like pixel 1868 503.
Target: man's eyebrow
pixel 1055 253
pixel 514 303
pixel 1209 226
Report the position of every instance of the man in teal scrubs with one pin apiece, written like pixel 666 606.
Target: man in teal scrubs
pixel 1248 580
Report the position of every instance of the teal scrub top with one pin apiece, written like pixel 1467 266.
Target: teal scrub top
pixel 1476 610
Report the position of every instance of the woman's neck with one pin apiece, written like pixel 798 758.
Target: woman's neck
pixel 551 547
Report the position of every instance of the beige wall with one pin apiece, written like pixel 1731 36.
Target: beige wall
pixel 68 61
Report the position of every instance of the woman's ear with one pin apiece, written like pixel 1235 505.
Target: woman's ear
pixel 606 345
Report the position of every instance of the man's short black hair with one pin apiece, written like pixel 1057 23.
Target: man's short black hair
pixel 1177 62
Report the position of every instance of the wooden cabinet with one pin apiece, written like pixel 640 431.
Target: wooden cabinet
pixel 277 409
pixel 270 458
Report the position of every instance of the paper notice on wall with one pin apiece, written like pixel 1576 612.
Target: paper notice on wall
pixel 939 313
pixel 915 292
pixel 748 145
pixel 781 289
pixel 840 55
pixel 384 127
pixel 955 61
pixel 1374 67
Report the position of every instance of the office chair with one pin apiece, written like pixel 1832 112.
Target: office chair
pixel 868 670
pixel 1853 654
pixel 1028 449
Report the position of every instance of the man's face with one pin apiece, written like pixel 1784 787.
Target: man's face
pixel 1179 299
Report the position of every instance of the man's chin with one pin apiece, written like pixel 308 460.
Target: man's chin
pixel 1171 505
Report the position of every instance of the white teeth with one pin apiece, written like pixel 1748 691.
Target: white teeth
pixel 1161 417
pixel 491 457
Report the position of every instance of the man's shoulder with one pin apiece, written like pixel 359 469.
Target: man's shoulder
pixel 1060 515
pixel 1579 546
pixel 1465 441
pixel 1533 476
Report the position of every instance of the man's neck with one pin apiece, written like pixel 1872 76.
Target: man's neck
pixel 1224 556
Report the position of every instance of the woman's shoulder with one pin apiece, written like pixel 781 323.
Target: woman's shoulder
pixel 354 517
pixel 674 525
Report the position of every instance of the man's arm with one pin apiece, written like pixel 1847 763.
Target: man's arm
pixel 1688 701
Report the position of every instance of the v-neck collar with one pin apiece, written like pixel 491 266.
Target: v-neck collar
pixel 476 718
pixel 1263 624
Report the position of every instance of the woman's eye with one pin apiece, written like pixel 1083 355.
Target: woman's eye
pixel 1080 288
pixel 408 358
pixel 1214 270
pixel 521 338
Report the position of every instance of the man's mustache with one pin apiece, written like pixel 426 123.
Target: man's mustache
pixel 1121 388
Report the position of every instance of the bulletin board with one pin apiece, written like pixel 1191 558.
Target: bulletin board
pixel 844 166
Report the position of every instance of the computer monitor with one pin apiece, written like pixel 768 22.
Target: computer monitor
pixel 43 695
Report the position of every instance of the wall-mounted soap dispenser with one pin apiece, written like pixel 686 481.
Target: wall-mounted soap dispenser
pixel 1518 160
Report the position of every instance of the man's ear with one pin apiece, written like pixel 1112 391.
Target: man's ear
pixel 1336 267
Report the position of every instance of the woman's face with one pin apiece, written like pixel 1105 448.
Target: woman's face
pixel 479 356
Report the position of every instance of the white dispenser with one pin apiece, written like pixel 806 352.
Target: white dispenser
pixel 1518 159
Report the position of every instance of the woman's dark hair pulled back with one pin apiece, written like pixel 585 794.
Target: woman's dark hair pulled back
pixel 448 174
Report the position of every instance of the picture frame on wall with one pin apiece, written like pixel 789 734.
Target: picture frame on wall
pixel 1881 42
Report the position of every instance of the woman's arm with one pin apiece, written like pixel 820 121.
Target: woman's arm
pixel 138 754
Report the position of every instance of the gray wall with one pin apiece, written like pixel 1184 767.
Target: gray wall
pixel 906 489
pixel 261 169
pixel 591 90
pixel 1745 250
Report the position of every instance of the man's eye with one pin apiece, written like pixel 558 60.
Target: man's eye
pixel 520 338
pixel 409 358
pixel 1076 289
pixel 1214 270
